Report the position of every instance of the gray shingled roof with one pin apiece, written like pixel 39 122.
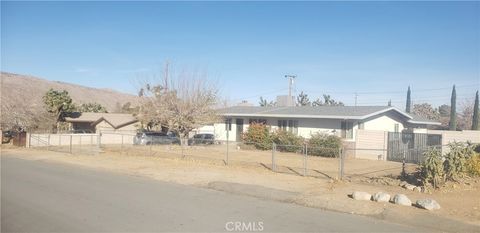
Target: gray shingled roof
pixel 115 119
pixel 344 112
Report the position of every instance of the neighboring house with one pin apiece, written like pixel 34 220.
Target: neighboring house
pixel 304 121
pixel 103 122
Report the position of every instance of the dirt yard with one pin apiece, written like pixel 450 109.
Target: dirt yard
pixel 460 203
pixel 289 163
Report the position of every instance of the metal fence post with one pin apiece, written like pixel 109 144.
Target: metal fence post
pixel 343 163
pixel 99 135
pixel 70 144
pixel 122 144
pixel 340 163
pixel 226 159
pixel 48 143
pixel 151 144
pixel 403 165
pixel 274 148
pixel 182 146
pixel 305 152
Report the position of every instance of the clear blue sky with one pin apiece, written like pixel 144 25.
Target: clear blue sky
pixel 333 47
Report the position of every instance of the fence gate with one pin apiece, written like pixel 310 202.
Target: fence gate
pixel 410 145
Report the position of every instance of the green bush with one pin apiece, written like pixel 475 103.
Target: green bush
pixel 432 168
pixel 287 141
pixel 455 164
pixel 324 145
pixel 473 165
pixel 259 136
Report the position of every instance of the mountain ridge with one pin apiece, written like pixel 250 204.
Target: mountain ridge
pixel 28 88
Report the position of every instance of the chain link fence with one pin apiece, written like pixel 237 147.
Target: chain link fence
pixel 302 160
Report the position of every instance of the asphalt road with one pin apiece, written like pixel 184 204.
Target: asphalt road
pixel 38 196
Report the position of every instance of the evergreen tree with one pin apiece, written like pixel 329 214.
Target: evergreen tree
pixel 303 100
pixel 59 104
pixel 408 106
pixel 453 110
pixel 92 107
pixel 475 120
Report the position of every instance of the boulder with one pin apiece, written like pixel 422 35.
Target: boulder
pixel 428 204
pixel 363 196
pixel 403 183
pixel 401 199
pixel 381 197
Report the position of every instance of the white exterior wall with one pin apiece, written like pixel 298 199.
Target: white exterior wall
pixel 221 134
pixel 309 126
pixel 384 122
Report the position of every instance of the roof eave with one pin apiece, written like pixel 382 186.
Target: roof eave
pixel 291 116
pixel 424 122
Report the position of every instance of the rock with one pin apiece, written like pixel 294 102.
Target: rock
pixel 401 199
pixel 403 183
pixel 363 196
pixel 381 197
pixel 410 187
pixel 428 204
pixel 417 189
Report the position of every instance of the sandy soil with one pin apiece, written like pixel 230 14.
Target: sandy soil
pixel 460 202
pixel 292 163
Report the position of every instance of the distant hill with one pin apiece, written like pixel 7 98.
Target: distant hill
pixel 16 87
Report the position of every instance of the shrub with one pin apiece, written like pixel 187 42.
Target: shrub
pixel 455 164
pixel 287 141
pixel 324 145
pixel 259 136
pixel 432 167
pixel 473 165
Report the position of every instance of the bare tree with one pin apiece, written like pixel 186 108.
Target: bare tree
pixel 22 115
pixel 426 110
pixel 178 103
pixel 465 117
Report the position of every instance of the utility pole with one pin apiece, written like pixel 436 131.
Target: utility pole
pixel 166 76
pixel 290 83
pixel 356 95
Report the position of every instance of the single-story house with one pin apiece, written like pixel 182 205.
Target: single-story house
pixel 304 121
pixel 102 122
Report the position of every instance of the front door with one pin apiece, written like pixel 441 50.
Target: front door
pixel 239 123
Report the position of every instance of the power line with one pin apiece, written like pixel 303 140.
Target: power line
pixel 476 85
pixel 260 95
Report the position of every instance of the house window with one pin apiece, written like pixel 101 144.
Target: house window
pixel 396 128
pixel 288 125
pixel 361 125
pixel 228 124
pixel 347 129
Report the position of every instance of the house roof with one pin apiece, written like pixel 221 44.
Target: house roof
pixel 116 120
pixel 327 112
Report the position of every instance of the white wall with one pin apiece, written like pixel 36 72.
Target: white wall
pixel 306 127
pixel 309 126
pixel 384 122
